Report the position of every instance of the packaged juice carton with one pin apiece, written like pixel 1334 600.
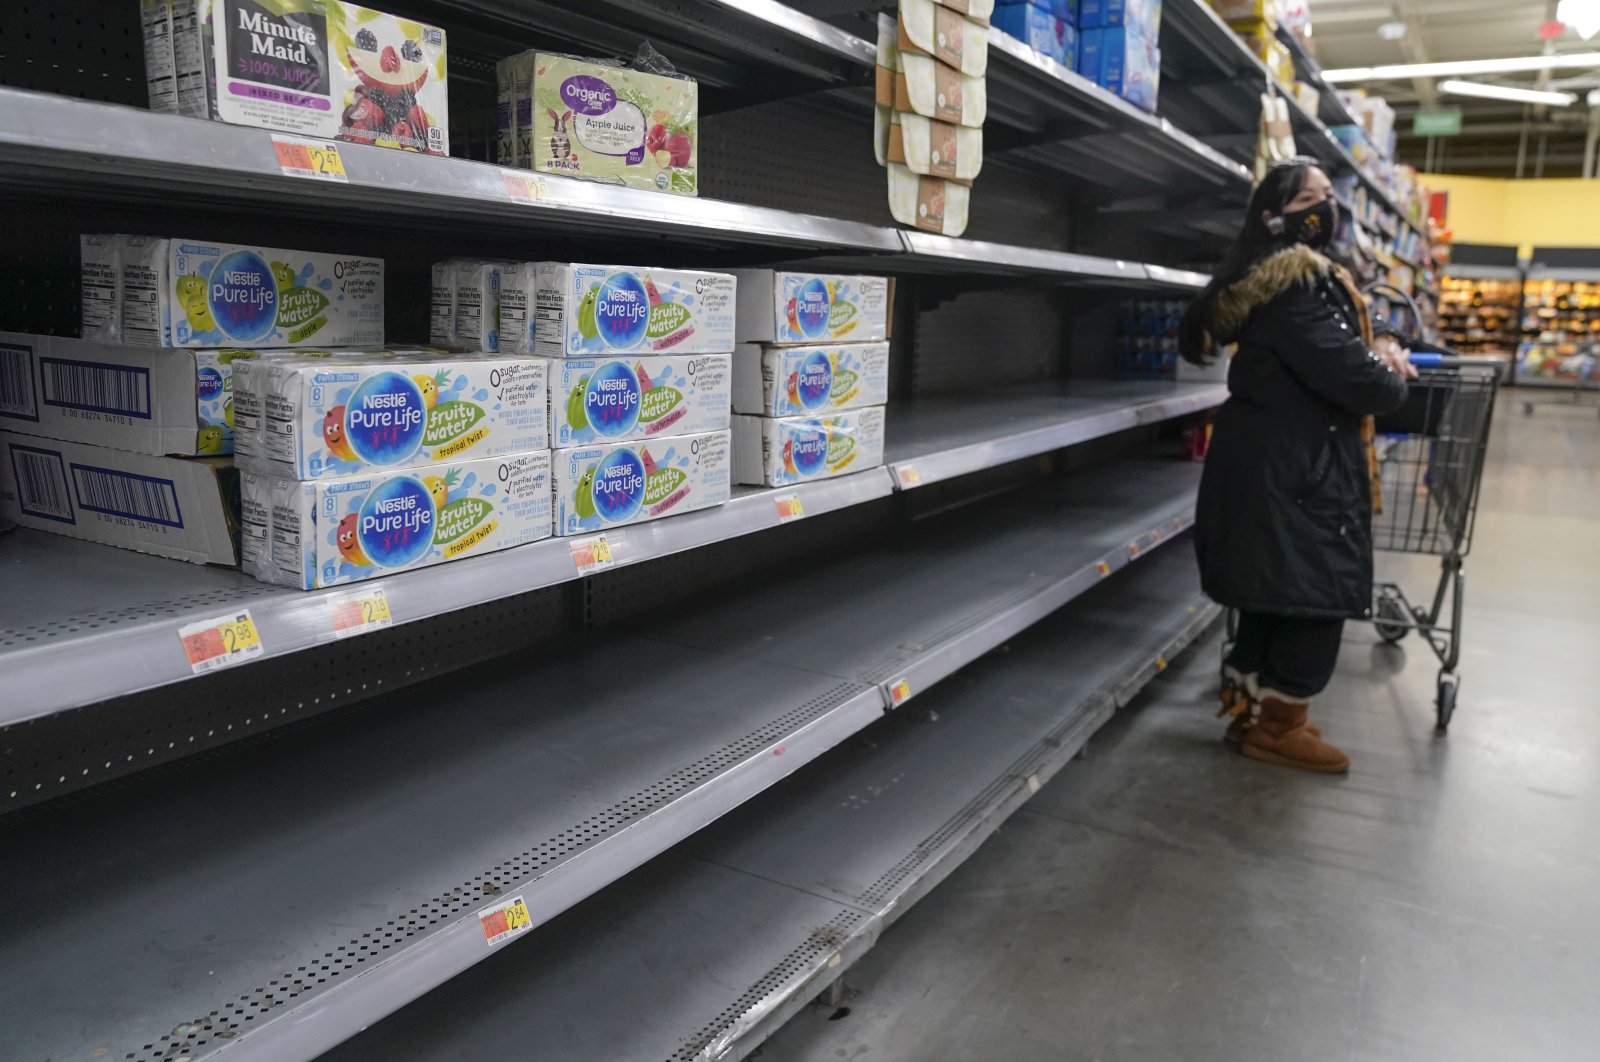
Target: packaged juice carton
pixel 608 123
pixel 160 70
pixel 601 487
pixel 519 306
pixel 782 307
pixel 100 287
pixel 783 451
pixel 179 507
pixel 130 398
pixel 593 400
pixel 442 304
pixel 349 528
pixel 190 293
pixel 476 308
pixel 353 415
pixel 249 400
pixel 794 381
pixel 324 68
pixel 505 128
pixel 522 108
pixel 596 310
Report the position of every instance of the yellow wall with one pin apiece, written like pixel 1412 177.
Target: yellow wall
pixel 1548 213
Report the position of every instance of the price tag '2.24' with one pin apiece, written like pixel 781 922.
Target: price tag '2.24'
pixel 318 160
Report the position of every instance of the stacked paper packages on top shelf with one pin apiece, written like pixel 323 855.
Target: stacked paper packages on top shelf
pixel 1119 48
pixel 158 292
pixel 321 68
pixel 811 377
pixel 931 102
pixel 1049 27
pixel 599 121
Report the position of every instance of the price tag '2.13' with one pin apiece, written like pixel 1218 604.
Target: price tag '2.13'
pixel 317 160
pixel 221 642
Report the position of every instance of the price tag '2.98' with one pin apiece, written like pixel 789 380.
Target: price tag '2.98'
pixel 221 642
pixel 318 160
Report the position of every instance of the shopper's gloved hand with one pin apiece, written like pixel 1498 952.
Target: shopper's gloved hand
pixel 1395 355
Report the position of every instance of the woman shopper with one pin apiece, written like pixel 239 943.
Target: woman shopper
pixel 1283 526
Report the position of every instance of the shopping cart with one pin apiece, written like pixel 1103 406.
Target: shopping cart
pixel 1430 460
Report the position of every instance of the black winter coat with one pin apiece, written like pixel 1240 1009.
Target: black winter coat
pixel 1284 519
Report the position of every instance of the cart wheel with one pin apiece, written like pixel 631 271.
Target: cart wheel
pixel 1397 628
pixel 1447 700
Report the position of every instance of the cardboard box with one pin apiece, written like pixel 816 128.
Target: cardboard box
pixel 128 398
pixel 601 487
pixel 184 508
pixel 599 310
pixel 782 307
pixel 778 452
pixel 797 381
pixel 598 401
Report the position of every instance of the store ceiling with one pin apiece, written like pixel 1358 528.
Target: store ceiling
pixel 1347 33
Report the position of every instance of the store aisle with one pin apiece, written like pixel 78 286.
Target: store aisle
pixel 1165 899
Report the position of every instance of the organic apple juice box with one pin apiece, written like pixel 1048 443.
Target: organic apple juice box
pixel 217 294
pixel 773 381
pixel 347 416
pixel 351 528
pixel 594 400
pixel 608 123
pixel 601 487
pixel 782 451
pixel 596 310
pixel 326 69
pixel 781 307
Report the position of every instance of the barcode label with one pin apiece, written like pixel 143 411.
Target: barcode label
pixel 16 382
pixel 41 484
pixel 118 493
pixel 122 390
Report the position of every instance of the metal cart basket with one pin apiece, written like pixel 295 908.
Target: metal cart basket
pixel 1431 455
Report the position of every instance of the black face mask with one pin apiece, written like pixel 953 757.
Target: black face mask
pixel 1312 226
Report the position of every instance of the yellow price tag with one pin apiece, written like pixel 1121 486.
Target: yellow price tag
pixel 1103 568
pixel 592 554
pixel 221 642
pixel 790 508
pixel 909 477
pixel 356 613
pixel 318 160
pixel 899 692
pixel 523 187
pixel 505 919
pixel 1161 663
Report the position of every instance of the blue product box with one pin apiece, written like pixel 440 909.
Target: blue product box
pixel 1069 46
pixel 1034 26
pixel 1145 15
pixel 1065 10
pixel 1091 47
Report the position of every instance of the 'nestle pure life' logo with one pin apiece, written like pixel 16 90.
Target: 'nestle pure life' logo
pixel 386 418
pixel 619 486
pixel 810 450
pixel 611 400
pixel 395 524
pixel 815 380
pixel 243 295
pixel 622 311
pixel 811 309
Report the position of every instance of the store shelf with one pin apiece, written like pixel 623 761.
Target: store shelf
pixel 932 439
pixel 71 602
pixel 278 900
pixel 705 952
pixel 1330 109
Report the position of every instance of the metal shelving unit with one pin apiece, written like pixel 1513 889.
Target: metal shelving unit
pixel 705 952
pixel 379 842
pixel 77 601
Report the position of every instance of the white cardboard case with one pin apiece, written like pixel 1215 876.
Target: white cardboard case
pixel 773 381
pixel 596 310
pixel 600 400
pixel 776 306
pixel 169 506
pixel 779 452
pixel 602 487
pixel 130 398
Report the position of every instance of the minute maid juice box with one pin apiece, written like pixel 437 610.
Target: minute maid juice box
pixel 780 307
pixel 350 415
pixel 351 528
pixel 780 452
pixel 601 487
pixel 596 310
pixel 788 381
pixel 593 400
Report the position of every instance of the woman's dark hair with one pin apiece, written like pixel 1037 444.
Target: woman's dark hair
pixel 1254 242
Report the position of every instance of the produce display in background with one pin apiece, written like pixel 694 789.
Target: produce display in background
pixel 1480 316
pixel 931 99
pixel 1147 338
pixel 322 68
pixel 600 121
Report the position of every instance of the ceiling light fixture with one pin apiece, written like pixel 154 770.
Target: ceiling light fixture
pixel 1465 67
pixel 1581 15
pixel 1505 92
pixel 1392 31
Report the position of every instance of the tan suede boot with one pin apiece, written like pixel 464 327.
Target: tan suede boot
pixel 1281 735
pixel 1240 708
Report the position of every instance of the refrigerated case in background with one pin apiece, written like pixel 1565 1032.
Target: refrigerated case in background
pixel 1480 299
pixel 1560 345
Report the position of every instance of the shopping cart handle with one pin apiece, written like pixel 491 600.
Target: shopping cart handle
pixel 1430 361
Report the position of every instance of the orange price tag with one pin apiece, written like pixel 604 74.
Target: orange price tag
pixel 1161 663
pixel 909 477
pixel 318 160
pixel 357 613
pixel 505 920
pixel 789 508
pixel 221 642
pixel 522 186
pixel 1103 568
pixel 899 692
pixel 592 555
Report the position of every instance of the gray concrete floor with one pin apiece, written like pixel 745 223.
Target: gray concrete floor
pixel 1166 899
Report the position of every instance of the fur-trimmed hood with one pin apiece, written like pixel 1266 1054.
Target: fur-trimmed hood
pixel 1275 274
